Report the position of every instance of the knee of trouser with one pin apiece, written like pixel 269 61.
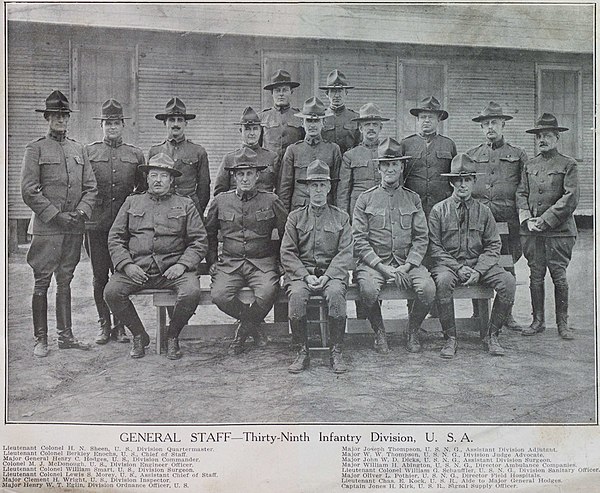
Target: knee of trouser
pixel 221 297
pixel 336 301
pixel 41 285
pixel 444 286
pixel 190 293
pixel 99 282
pixel 112 293
pixel 296 307
pixel 369 294
pixel 425 291
pixel 506 289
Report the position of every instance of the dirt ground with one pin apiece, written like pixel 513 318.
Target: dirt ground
pixel 542 379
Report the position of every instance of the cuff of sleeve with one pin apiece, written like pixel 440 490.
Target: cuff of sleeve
pixel 301 273
pixel 120 267
pixel 372 259
pixel 414 258
pixel 524 214
pixel 550 219
pixel 48 213
pixel 85 208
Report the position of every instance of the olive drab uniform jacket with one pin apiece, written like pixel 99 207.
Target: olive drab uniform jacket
pixel 152 231
pixel 115 166
pixel 281 129
pixel 428 161
pixel 340 128
pixel 57 177
pixel 267 178
pixel 191 159
pixel 549 189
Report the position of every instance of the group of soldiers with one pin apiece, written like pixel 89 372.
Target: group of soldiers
pixel 414 213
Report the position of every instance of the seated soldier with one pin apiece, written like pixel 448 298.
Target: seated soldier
pixel 156 242
pixel 390 233
pixel 316 253
pixel 464 245
pixel 246 217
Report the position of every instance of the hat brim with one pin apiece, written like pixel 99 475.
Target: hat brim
pixel 268 87
pixel 311 117
pixel 245 124
pixel 245 166
pixel 112 118
pixel 325 88
pixel 164 116
pixel 537 130
pixel 397 158
pixel 145 168
pixel 370 119
pixel 443 113
pixel 456 175
pixel 54 111
pixel 482 118
pixel 306 182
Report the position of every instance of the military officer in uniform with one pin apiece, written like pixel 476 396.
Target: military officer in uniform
pixel 250 128
pixel 115 166
pixel 156 241
pixel 391 238
pixel 501 165
pixel 431 154
pixel 293 190
pixel 546 198
pixel 58 184
pixel 246 217
pixel 316 253
pixel 340 124
pixel 464 246
pixel 281 127
pixel 190 159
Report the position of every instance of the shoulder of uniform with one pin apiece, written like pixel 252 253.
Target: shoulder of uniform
pixel 158 144
pixel 336 209
pixel 73 140
pixel 412 192
pixel 267 109
pixel 476 148
pixel 98 142
pixel 298 211
pixel 184 199
pixel 36 140
pixel 194 144
pixel 408 137
pixel 445 138
pixel 136 148
pixel 298 142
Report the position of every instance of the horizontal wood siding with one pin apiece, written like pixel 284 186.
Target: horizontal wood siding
pixel 586 168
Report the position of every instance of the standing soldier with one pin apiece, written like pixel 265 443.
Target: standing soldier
pixel 250 128
pixel 58 184
pixel 546 198
pixel 340 125
pixel 190 159
pixel 316 253
pixel 500 165
pixel 246 217
pixel 391 237
pixel 282 128
pixel 293 190
pixel 431 154
pixel 115 166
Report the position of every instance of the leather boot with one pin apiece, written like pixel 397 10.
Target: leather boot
pixel 561 301
pixel 239 339
pixel 500 311
pixel 173 351
pixel 448 323
pixel 475 309
pixel 300 333
pixel 118 333
pixel 537 306
pixel 376 320
pixel 66 339
pixel 337 329
pixel 137 347
pixel 255 316
pixel 415 318
pixel 512 324
pixel 39 309
pixel 103 315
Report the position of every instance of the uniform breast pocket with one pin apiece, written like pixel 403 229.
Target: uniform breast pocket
pixel 188 163
pixel 376 218
pixel 406 218
pixel 557 180
pixel 176 220
pixel 331 233
pixel 50 169
pixel 444 155
pixel 263 223
pixel 136 219
pixel 226 217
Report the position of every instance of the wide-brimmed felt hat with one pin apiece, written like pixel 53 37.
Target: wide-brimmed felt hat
pixel 336 80
pixel 250 117
pixel 57 102
pixel 245 158
pixel 281 78
pixel 368 113
pixel 160 161
pixel 390 150
pixel 546 122
pixel 317 171
pixel 175 107
pixel 112 110
pixel 492 110
pixel 462 165
pixel 430 104
pixel 313 108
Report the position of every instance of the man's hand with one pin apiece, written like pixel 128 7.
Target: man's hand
pixel 135 273
pixel 312 282
pixel 464 273
pixel 473 278
pixel 402 279
pixel 388 271
pixel 67 219
pixel 212 270
pixel 174 271
pixel 535 224
pixel 321 282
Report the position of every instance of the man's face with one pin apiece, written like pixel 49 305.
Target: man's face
pixel 112 129
pixel 370 130
pixel 337 97
pixel 463 186
pixel 391 172
pixel 159 181
pixel 245 179
pixel 318 190
pixel 313 126
pixel 282 95
pixel 175 126
pixel 58 121
pixel 428 122
pixel 250 134
pixel 493 129
pixel 546 140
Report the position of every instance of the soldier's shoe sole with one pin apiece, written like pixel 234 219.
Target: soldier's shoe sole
pixel 529 333
pixel 497 353
pixel 40 354
pixel 137 356
pixel 102 342
pixel 74 346
pixel 174 356
pixel 566 336
pixel 145 339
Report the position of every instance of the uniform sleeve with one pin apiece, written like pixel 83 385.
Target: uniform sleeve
pixel 419 237
pixel 31 188
pixel 522 196
pixel 567 203
pixel 344 188
pixel 437 252
pixel 197 243
pixel 140 183
pixel 363 250
pixel 281 216
pixel 222 181
pixel 341 263
pixel 491 245
pixel 453 151
pixel 212 230
pixel 153 152
pixel 334 172
pixel 290 254
pixel 118 238
pixel 89 187
pixel 203 180
pixel 286 182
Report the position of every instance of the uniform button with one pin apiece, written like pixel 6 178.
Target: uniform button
pixel 114 198
pixel 493 172
pixel 114 170
pixel 539 202
pixel 492 185
pixel 69 186
pixel 114 184
pixel 114 157
pixel 541 190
